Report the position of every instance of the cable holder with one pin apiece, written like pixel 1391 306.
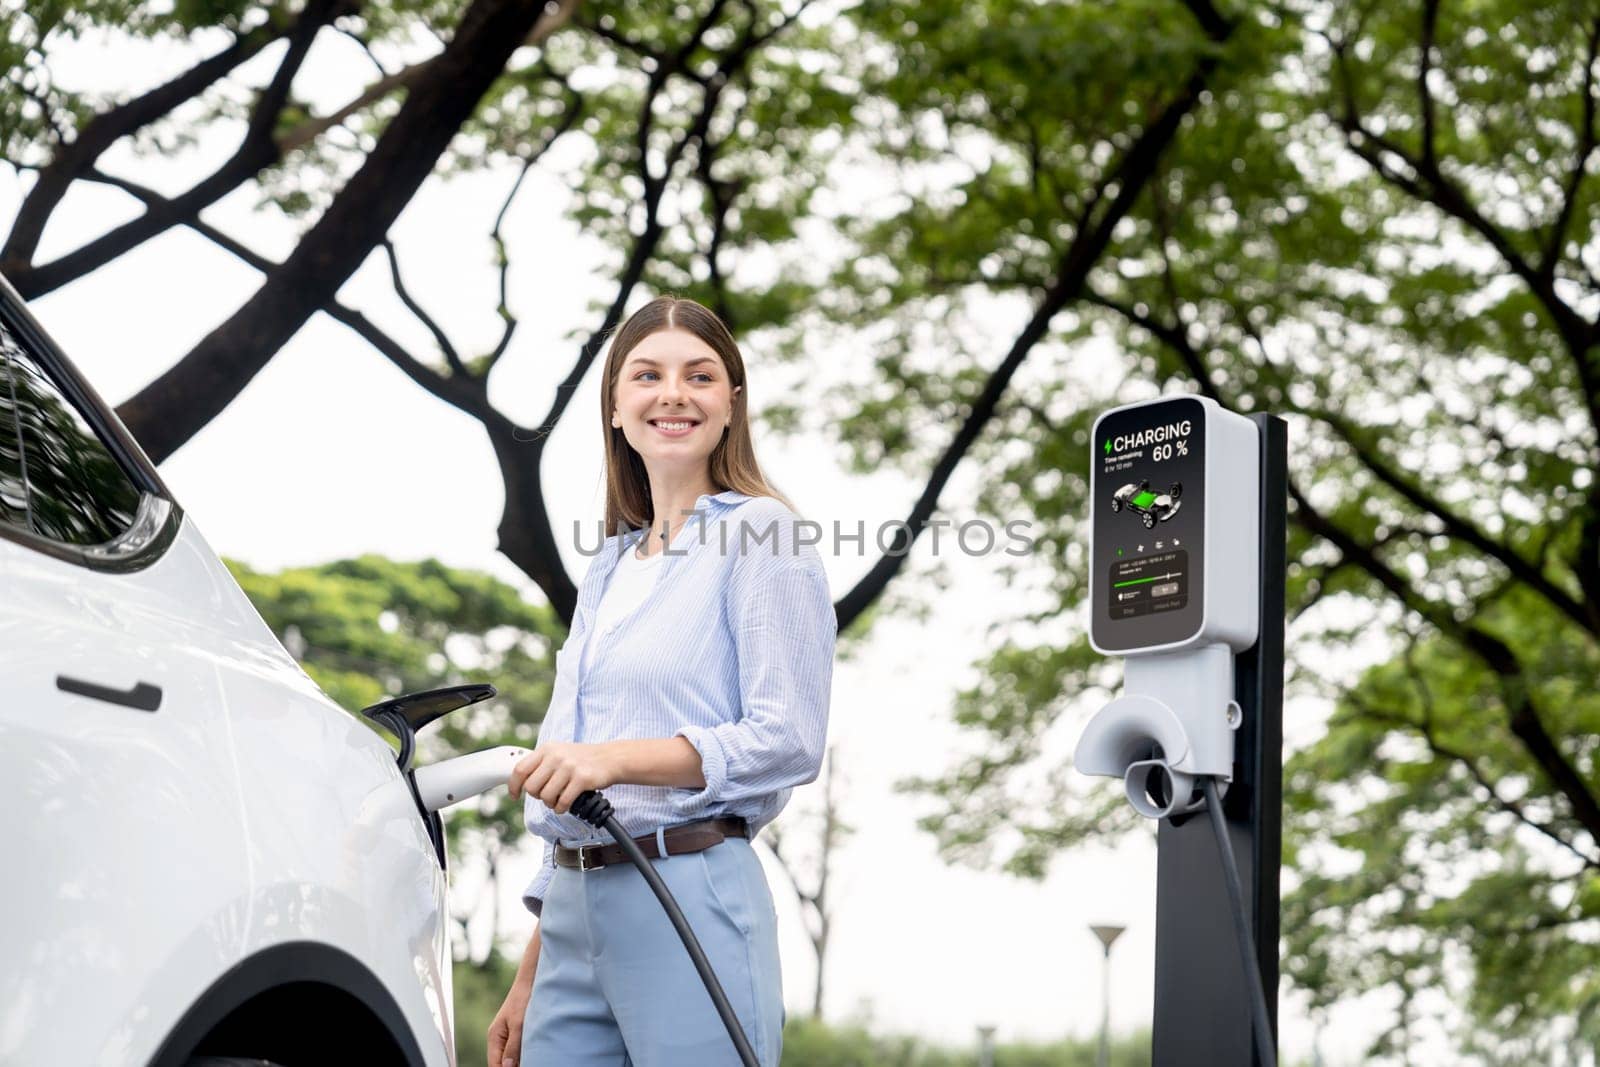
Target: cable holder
pixel 1173 725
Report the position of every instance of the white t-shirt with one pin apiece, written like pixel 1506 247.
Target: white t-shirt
pixel 631 581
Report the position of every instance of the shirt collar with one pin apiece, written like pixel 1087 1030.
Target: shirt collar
pixel 611 554
pixel 727 496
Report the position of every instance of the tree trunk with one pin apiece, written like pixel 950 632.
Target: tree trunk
pixel 526 536
pixel 820 945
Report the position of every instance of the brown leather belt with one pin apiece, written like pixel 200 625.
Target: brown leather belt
pixel 690 837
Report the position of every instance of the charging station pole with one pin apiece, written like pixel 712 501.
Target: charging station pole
pixel 1202 1001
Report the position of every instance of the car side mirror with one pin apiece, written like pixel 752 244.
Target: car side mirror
pixel 403 716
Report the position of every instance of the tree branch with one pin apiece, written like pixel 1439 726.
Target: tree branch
pixel 308 131
pixel 440 338
pixel 256 151
pixel 1470 765
pixel 569 118
pixel 1217 27
pixel 1460 528
pixel 1174 337
pixel 1580 165
pixel 1523 716
pixel 170 410
pixel 814 902
pixel 1430 736
pixel 775 846
pixel 721 196
pixel 502 256
pixel 1428 184
pixel 76 158
pixel 1430 24
pixel 460 394
pixel 311 129
pixel 1319 581
pixel 1131 174
pixel 654 186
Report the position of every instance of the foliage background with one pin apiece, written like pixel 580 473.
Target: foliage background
pixel 961 230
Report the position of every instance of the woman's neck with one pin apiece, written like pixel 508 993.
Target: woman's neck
pixel 673 500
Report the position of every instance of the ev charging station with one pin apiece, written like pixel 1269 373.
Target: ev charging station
pixel 1187 521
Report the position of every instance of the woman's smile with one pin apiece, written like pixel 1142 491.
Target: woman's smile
pixel 675 427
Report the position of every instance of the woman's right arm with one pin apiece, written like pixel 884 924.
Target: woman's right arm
pixel 505 1033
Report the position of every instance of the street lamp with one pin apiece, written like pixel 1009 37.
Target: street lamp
pixel 1107 935
pixel 986 1046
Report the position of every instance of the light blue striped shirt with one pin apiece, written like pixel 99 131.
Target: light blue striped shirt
pixel 732 648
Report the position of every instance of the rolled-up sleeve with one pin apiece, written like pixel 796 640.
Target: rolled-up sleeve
pixel 784 629
pixel 533 896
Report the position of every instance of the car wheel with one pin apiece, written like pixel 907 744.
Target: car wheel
pixel 1149 521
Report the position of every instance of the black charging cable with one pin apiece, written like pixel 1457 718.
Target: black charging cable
pixel 1261 1023
pixel 595 810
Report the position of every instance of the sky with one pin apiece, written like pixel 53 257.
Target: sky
pixel 330 453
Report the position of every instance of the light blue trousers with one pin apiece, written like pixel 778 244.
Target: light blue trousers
pixel 616 988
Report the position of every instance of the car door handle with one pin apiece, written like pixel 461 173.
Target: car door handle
pixel 142 697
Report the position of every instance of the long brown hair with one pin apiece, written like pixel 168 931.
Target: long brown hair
pixel 733 462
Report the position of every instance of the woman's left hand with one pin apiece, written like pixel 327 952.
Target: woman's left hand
pixel 558 772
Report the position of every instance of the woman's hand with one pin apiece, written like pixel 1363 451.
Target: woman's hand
pixel 558 772
pixel 505 1033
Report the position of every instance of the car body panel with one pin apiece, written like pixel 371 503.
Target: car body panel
pixel 98 791
pixel 158 849
pixel 369 883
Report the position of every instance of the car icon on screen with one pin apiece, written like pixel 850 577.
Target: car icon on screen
pixel 1150 506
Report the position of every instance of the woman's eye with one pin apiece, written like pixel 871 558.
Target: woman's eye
pixel 701 377
pixel 643 375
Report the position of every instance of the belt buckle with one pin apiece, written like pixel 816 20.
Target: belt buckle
pixel 583 858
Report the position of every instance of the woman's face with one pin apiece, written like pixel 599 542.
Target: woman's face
pixel 673 400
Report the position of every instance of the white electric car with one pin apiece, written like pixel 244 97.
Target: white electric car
pixel 205 861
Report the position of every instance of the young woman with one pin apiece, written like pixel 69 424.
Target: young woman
pixel 693 689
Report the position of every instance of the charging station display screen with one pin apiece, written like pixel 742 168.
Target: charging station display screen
pixel 1148 481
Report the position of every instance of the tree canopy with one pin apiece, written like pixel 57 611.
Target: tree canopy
pixel 708 131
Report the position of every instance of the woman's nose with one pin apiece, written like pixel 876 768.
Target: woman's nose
pixel 671 389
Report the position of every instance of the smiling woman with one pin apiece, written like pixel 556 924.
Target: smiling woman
pixel 693 688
